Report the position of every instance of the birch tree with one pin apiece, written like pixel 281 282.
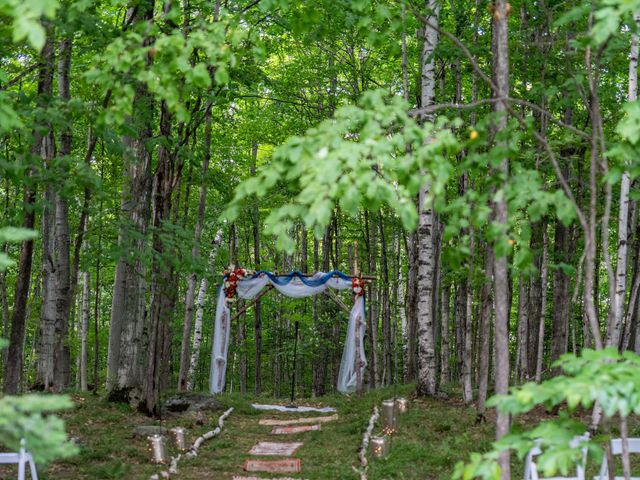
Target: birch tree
pixel 200 304
pixel 614 327
pixel 195 253
pixel 53 353
pixel 427 384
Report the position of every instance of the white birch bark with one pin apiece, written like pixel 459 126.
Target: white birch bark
pixel 197 328
pixel 426 259
pixel 84 329
pixel 191 285
pixel 54 357
pixel 615 325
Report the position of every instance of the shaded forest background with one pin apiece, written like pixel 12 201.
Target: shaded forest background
pixel 506 133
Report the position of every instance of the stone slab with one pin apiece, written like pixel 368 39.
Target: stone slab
pixel 295 429
pixel 290 465
pixel 280 449
pixel 296 421
pixel 292 408
pixel 236 477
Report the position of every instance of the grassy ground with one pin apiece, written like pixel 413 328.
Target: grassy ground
pixel 432 437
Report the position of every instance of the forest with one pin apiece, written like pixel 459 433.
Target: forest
pixel 464 169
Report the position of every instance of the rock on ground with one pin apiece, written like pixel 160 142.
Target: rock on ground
pixel 192 402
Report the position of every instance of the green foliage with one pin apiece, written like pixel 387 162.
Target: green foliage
pixel 13 235
pixel 28 417
pixel 370 154
pixel 607 377
pixel 27 16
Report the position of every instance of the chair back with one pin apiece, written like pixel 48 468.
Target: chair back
pixel 531 469
pixel 616 449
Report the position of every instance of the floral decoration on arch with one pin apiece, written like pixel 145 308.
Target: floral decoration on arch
pixel 231 282
pixel 357 285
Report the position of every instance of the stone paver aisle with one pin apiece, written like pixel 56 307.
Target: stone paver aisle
pixel 266 448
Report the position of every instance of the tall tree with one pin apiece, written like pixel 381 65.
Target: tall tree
pixel 500 65
pixel 427 384
pixel 195 253
pixel 614 327
pixel 54 355
pixel 125 352
pixel 42 147
pixel 255 218
pixel 163 291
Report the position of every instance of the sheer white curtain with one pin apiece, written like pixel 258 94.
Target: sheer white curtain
pixel 292 285
pixel 353 347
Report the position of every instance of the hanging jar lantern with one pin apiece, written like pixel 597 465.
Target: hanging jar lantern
pixel 402 405
pixel 157 445
pixel 179 438
pixel 379 446
pixel 389 417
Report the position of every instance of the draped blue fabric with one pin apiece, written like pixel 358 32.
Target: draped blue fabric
pixel 280 279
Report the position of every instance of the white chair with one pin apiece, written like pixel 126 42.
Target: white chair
pixel 21 458
pixel 616 449
pixel 531 469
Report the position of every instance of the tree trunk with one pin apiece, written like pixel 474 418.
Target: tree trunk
pixel 535 298
pixel 500 68
pixel 257 309
pixel 84 327
pixel 195 253
pixel 460 312
pixel 562 253
pixel 427 384
pixel 197 330
pixel 444 348
pixel 125 349
pixel 96 315
pixel 544 272
pixel 54 357
pixel 486 308
pixel 411 303
pixel 386 309
pixel 615 325
pixel 372 327
pixel 162 280
pixel 467 391
pixel 522 365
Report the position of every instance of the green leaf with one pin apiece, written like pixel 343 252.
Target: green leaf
pixel 15 235
pixel 221 75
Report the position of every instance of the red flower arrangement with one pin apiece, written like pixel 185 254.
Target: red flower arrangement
pixel 231 283
pixel 357 285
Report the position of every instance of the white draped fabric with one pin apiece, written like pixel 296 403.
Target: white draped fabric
pixel 293 285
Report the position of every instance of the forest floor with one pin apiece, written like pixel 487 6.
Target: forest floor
pixel 432 437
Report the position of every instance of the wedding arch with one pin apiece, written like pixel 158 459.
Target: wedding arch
pixel 240 283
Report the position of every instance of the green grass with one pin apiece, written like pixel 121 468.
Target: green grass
pixel 433 435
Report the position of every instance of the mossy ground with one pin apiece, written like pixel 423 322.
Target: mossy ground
pixel 433 436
